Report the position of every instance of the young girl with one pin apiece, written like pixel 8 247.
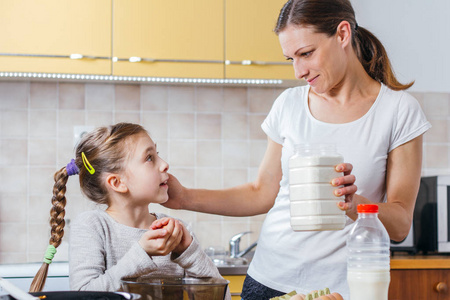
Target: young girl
pixel 119 166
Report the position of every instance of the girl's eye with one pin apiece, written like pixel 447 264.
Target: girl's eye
pixel 306 54
pixel 151 157
pixel 289 58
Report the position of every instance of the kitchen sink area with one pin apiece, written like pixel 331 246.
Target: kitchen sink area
pixel 234 265
pixel 234 261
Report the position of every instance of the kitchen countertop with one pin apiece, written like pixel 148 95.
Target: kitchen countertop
pixel 398 262
pixel 403 261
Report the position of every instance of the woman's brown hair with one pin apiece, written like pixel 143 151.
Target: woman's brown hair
pixel 325 16
pixel 106 151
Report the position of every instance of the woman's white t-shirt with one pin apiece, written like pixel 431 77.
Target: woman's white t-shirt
pixel 286 260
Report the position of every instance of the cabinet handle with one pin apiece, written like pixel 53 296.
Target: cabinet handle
pixel 71 56
pixel 135 59
pixel 247 62
pixel 441 287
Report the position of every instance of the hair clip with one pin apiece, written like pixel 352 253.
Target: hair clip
pixel 86 163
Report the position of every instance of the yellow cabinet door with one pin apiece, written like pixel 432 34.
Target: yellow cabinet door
pixel 177 38
pixel 40 36
pixel 235 285
pixel 252 48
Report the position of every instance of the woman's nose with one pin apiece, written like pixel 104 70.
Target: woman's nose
pixel 300 70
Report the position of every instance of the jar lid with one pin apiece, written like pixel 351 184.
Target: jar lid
pixel 367 208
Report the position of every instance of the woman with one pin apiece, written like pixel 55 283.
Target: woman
pixel 352 100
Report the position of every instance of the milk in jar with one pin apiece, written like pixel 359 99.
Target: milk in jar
pixel 313 205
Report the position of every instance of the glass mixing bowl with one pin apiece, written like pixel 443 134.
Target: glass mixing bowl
pixel 176 288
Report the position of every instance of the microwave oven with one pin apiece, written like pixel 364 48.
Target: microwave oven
pixel 430 230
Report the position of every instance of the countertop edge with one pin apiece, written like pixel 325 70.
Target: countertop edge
pixel 420 262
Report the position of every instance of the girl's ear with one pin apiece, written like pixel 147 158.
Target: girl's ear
pixel 344 33
pixel 114 182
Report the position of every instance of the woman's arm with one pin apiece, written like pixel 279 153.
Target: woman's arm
pixel 403 172
pixel 245 200
pixel 404 168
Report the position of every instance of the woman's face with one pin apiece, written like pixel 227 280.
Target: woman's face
pixel 316 57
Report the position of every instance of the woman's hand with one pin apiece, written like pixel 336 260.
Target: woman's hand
pixel 163 237
pixel 348 190
pixel 176 193
pixel 332 296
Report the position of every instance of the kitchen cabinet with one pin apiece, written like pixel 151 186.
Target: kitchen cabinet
pixel 235 285
pixel 40 36
pixel 177 38
pixel 420 277
pixel 252 49
pixel 193 39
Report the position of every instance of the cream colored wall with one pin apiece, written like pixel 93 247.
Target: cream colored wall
pixel 210 136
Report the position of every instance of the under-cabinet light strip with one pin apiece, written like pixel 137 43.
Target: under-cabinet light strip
pixel 137 79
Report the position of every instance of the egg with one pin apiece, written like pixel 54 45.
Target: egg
pixel 337 296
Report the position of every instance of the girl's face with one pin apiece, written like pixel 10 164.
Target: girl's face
pixel 146 173
pixel 317 58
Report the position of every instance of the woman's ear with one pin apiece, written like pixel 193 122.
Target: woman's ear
pixel 114 182
pixel 344 33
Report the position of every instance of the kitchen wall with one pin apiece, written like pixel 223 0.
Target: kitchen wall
pixel 415 35
pixel 210 136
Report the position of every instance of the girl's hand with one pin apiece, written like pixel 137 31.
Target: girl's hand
pixel 186 240
pixel 162 238
pixel 349 188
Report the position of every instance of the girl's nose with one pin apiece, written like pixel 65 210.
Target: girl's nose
pixel 164 167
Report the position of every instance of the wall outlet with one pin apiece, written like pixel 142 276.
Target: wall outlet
pixel 79 132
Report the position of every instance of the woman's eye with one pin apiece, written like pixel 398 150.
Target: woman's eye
pixel 289 58
pixel 150 158
pixel 306 54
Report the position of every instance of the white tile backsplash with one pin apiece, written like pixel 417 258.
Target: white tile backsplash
pixel 181 99
pixel 209 126
pixel 181 125
pixel 99 96
pixel 71 96
pixel 14 95
pixel 14 123
pixel 127 97
pixel 43 95
pixel 209 153
pixel 154 98
pixel 210 136
pixel 235 126
pixel 43 123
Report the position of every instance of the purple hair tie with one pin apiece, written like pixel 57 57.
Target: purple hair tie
pixel 72 168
